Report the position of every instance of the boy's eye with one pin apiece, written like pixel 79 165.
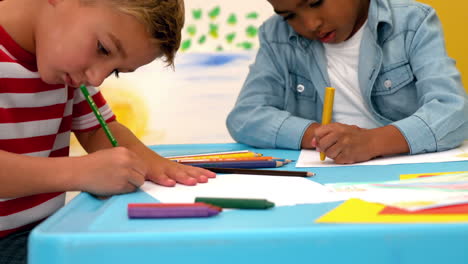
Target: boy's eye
pixel 101 49
pixel 316 3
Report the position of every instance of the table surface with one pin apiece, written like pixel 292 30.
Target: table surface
pixel 89 230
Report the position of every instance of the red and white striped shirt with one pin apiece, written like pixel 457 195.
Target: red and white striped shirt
pixel 36 120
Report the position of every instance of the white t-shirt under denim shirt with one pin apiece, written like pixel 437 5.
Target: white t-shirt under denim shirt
pixel 342 64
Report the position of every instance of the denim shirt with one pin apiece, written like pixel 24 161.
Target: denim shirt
pixel 406 78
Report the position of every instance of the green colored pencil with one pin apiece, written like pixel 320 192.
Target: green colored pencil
pixel 98 115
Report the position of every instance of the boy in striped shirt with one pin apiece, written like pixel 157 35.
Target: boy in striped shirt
pixel 48 48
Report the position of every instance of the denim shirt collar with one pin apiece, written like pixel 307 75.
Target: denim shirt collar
pixel 380 19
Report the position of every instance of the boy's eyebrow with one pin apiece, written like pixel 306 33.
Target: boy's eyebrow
pixel 279 12
pixel 118 45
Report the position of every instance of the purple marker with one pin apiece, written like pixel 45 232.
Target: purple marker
pixel 171 212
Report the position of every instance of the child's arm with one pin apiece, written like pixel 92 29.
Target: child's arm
pixel 441 121
pixel 102 173
pixel 260 117
pixel 160 170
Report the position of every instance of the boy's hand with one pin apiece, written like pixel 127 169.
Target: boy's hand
pixel 109 171
pixel 344 143
pixel 167 173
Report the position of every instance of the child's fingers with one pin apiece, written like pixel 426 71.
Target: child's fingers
pixel 130 187
pixel 326 142
pixel 203 172
pixel 164 180
pixel 314 142
pixel 196 175
pixel 333 151
pixel 184 178
pixel 136 178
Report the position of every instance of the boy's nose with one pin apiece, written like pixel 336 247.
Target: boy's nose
pixel 312 24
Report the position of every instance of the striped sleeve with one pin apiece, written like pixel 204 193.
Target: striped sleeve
pixel 83 117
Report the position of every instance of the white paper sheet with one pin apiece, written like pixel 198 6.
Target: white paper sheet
pixel 311 158
pixel 281 190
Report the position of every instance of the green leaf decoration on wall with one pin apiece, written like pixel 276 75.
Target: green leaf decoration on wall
pixel 232 19
pixel 185 45
pixel 202 40
pixel 214 30
pixel 197 14
pixel 251 31
pixel 252 15
pixel 245 45
pixel 191 30
pixel 220 32
pixel 230 37
pixel 214 13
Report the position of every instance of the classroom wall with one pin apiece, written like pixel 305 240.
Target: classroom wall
pixel 190 104
pixel 454 17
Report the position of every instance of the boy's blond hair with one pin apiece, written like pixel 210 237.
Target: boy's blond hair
pixel 164 20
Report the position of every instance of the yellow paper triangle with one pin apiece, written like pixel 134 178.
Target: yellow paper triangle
pixel 358 211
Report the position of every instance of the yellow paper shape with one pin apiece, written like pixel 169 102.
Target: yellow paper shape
pixel 417 175
pixel 359 211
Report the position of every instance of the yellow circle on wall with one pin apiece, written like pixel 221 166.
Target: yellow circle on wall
pixel 128 106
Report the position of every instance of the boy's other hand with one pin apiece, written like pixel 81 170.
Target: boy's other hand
pixel 308 139
pixel 167 173
pixel 109 171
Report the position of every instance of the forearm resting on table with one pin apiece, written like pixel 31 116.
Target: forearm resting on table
pixel 22 175
pixel 382 141
pixel 387 140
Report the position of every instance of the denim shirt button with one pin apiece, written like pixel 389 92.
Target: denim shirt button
pixel 300 88
pixel 388 84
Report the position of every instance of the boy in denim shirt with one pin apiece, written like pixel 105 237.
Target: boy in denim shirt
pixel 397 91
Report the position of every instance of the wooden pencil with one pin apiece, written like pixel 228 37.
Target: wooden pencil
pixel 262 172
pixel 210 154
pixel 236 155
pixel 241 164
pixel 231 159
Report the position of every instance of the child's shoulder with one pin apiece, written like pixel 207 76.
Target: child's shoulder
pixel 275 29
pixel 410 5
pixel 408 14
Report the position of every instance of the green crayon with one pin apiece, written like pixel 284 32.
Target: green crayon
pixel 238 203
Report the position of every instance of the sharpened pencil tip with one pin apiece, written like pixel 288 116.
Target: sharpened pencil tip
pixel 310 174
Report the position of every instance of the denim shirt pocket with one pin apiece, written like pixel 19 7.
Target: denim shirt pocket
pixel 302 88
pixel 392 78
pixel 394 94
pixel 303 101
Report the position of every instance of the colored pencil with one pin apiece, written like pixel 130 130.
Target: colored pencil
pixel 244 164
pixel 231 159
pixel 238 155
pixel 262 172
pixel 98 115
pixel 171 212
pixel 239 203
pixel 210 154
